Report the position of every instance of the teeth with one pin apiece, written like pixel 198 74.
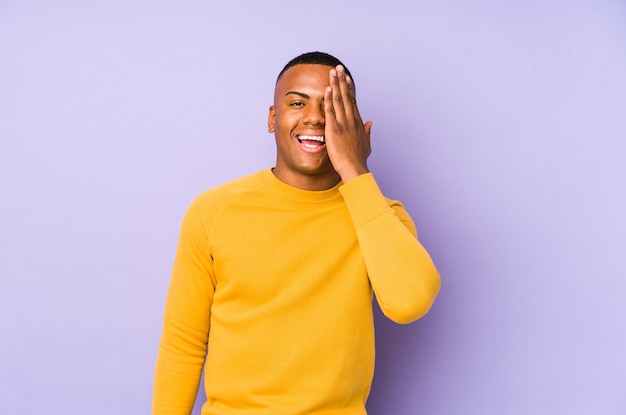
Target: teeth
pixel 319 138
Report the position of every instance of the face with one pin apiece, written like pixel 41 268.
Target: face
pixel 297 121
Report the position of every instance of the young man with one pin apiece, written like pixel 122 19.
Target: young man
pixel 275 271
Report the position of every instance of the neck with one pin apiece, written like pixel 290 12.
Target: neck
pixel 312 182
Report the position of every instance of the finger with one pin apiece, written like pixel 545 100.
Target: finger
pixel 347 94
pixel 352 95
pixel 329 109
pixel 337 98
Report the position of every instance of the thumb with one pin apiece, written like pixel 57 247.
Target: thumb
pixel 367 127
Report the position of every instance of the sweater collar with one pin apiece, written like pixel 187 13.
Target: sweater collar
pixel 300 195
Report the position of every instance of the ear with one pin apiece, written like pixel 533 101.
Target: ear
pixel 271 119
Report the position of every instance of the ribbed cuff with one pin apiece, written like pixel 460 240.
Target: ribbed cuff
pixel 364 199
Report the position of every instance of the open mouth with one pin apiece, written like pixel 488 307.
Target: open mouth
pixel 311 141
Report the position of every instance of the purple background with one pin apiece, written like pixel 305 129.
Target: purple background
pixel 501 126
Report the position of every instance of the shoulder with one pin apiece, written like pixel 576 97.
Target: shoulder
pixel 217 198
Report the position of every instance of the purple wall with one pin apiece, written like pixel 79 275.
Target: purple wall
pixel 501 127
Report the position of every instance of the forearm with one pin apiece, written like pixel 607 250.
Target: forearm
pixel 182 350
pixel 183 345
pixel 177 376
pixel 400 270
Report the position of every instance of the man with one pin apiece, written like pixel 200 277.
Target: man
pixel 275 271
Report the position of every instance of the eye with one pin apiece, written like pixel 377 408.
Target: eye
pixel 297 104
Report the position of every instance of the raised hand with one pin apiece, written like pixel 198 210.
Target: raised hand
pixel 347 138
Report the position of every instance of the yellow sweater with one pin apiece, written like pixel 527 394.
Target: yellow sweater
pixel 278 282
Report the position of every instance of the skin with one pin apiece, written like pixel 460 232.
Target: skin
pixel 316 100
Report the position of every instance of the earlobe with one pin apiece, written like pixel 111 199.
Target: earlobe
pixel 271 118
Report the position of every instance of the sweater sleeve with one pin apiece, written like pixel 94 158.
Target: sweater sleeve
pixel 183 345
pixel 402 274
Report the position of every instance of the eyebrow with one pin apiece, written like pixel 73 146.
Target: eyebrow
pixel 300 94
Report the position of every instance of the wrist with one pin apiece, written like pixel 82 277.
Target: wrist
pixel 352 173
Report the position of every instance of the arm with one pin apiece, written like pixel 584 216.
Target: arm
pixel 183 345
pixel 400 270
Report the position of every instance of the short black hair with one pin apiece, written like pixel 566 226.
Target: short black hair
pixel 314 58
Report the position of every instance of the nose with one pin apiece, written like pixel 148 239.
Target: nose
pixel 314 114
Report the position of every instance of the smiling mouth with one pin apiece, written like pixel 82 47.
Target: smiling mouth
pixel 311 141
